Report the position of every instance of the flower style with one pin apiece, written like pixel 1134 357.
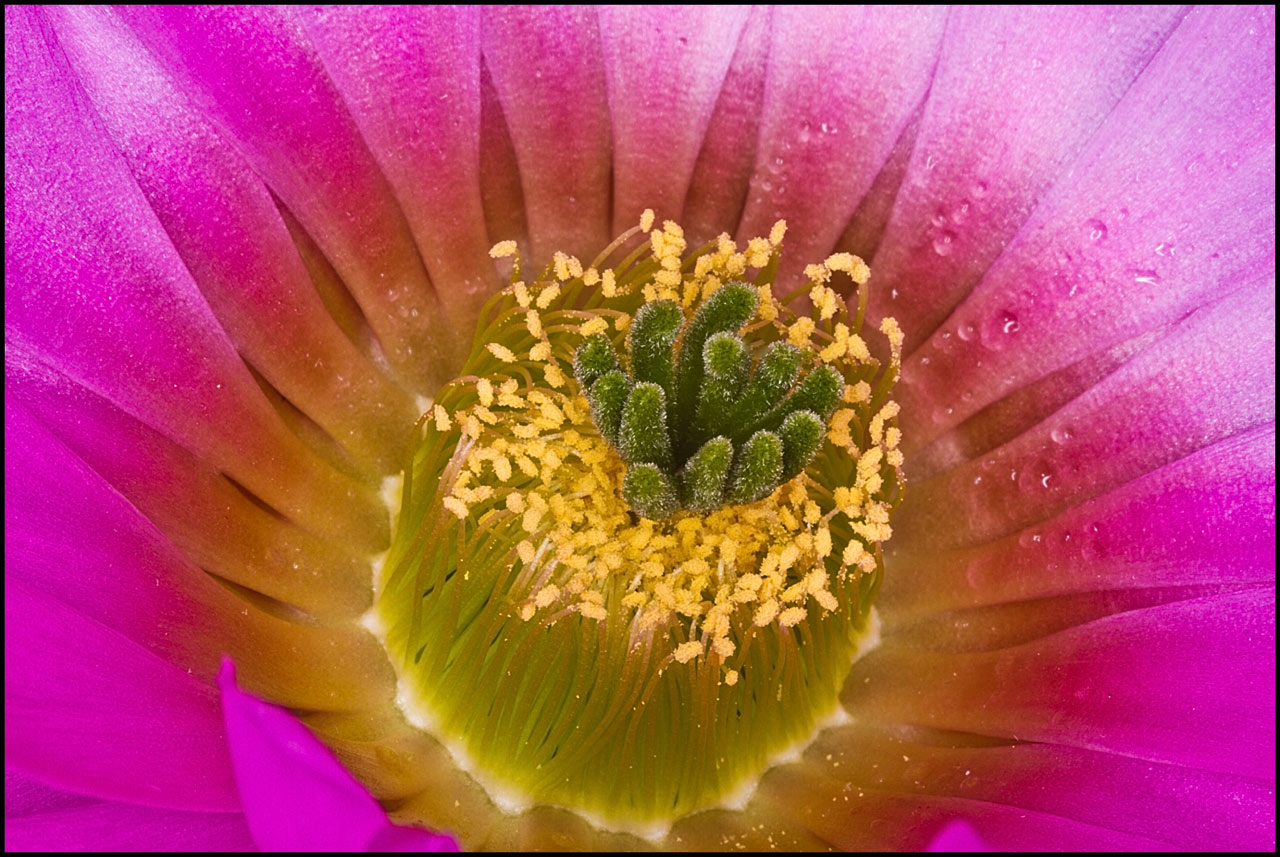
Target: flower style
pixel 243 246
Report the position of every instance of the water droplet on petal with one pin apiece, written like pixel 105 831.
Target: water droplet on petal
pixel 1095 230
pixel 1060 434
pixel 942 245
pixel 996 334
pixel 960 213
pixel 978 189
pixel 967 331
pixel 939 218
pixel 1145 276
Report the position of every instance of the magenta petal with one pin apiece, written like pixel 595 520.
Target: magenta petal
pixel 958 837
pixel 1189 683
pixel 38 818
pixel 229 232
pixel 1012 102
pixel 296 795
pixel 297 133
pixel 94 289
pixel 94 712
pixel 1170 205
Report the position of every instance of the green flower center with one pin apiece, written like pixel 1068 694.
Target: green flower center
pixel 639 540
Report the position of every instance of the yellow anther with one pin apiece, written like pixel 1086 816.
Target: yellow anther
pixel 608 284
pixel 443 422
pixel 686 652
pixel 526 551
pixel 731 678
pixel 548 295
pixel 456 506
pixel 484 389
pixel 777 233
pixel 533 322
pixel 646 220
pixel 593 326
pixel 522 294
pixel 758 252
pixel 502 352
pixel 503 249
pixel 540 351
pixel 799 332
pixel 792 616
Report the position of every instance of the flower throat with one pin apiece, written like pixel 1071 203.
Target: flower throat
pixel 640 536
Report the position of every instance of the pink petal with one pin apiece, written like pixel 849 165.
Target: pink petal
pixel 547 72
pixel 664 67
pixel 95 713
pixel 1011 104
pixel 842 84
pixel 296 795
pixel 1189 683
pixel 38 818
pixel 1181 807
pixel 722 174
pixel 1098 263
pixel 229 232
pixel 1212 377
pixel 95 290
pixel 1204 520
pixel 425 139
pixel 299 136
pixel 957 837
pixel 70 536
pixel 207 517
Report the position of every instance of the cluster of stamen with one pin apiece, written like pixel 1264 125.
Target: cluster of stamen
pixel 649 515
pixel 676 482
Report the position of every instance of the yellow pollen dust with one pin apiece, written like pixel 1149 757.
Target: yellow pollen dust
pixel 531 455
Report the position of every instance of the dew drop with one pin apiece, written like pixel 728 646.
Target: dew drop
pixel 996 334
pixel 930 162
pixel 1030 538
pixel 978 189
pixel 1146 276
pixel 967 331
pixel 924 361
pixel 1035 477
pixel 1095 230
pixel 1037 63
pixel 939 218
pixel 1164 248
pixel 942 245
pixel 960 213
pixel 1060 434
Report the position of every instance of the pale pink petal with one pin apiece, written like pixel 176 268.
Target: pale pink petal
pixel 425 139
pixel 842 84
pixel 664 67
pixel 547 71
pixel 1169 206
pixel 722 173
pixel 229 232
pixel 296 795
pixel 1011 104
